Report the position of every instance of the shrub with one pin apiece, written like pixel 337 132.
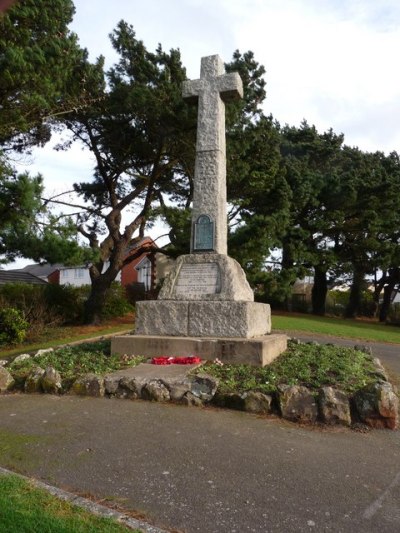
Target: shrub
pixel 66 301
pixel 116 303
pixel 13 327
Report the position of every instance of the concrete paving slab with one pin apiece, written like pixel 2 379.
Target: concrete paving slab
pixel 147 371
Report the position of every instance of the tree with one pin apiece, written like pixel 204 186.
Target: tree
pixel 27 227
pixel 309 165
pixel 38 57
pixel 19 206
pixel 43 73
pixel 366 231
pixel 137 130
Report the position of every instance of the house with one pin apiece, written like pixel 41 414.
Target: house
pixel 140 270
pixel 16 276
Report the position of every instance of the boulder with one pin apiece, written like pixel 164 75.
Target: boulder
pixel 89 385
pixel 203 386
pixel 363 348
pixel 297 403
pixel 257 402
pixel 22 357
pixel 334 406
pixel 111 384
pixel 179 389
pixel 230 400
pixel 3 362
pixel 380 372
pixel 155 391
pixel 6 380
pixel 33 382
pixel 43 351
pixel 378 405
pixel 51 381
pixel 191 400
pixel 129 388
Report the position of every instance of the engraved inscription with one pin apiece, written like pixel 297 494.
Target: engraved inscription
pixel 198 279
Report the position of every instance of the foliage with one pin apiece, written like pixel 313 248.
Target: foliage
pixel 312 366
pixel 138 131
pixel 24 507
pixel 13 327
pixel 74 361
pixel 116 302
pixel 47 306
pixel 39 56
pixel 44 73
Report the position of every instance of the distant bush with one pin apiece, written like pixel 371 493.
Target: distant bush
pixel 66 302
pixel 13 327
pixel 116 303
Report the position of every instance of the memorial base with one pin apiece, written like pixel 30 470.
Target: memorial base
pixel 259 351
pixel 203 318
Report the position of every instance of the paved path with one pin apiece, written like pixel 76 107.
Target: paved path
pixel 207 470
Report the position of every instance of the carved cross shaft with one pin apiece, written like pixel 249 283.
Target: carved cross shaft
pixel 211 91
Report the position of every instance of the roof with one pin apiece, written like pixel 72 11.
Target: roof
pixel 16 276
pixel 41 270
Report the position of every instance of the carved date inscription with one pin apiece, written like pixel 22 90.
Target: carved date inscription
pixel 198 280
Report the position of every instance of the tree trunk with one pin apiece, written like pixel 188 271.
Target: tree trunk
pixel 387 295
pixel 319 291
pixel 354 305
pixel 95 303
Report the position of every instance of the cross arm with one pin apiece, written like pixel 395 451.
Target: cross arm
pixel 230 86
pixel 191 90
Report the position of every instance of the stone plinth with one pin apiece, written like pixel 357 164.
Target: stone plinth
pixel 203 319
pixel 259 351
pixel 206 276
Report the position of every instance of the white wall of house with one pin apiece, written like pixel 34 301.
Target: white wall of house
pixel 78 276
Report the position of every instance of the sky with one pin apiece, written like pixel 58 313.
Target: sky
pixel 334 63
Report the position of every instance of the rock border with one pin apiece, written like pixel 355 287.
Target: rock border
pixel 375 406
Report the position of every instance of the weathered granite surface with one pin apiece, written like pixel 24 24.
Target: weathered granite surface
pixel 334 406
pixel 232 284
pixel 6 380
pixel 203 319
pixel 297 404
pixel 211 91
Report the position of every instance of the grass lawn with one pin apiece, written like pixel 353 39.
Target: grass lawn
pixel 354 329
pixel 26 509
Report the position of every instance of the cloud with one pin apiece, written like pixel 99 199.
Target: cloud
pixel 317 52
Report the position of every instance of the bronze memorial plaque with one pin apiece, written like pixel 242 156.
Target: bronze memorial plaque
pixel 198 279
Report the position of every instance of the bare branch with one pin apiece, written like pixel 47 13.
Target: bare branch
pixel 82 207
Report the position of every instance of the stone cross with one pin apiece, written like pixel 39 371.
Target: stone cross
pixel 211 91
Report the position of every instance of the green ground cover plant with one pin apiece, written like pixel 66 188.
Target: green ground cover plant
pixel 310 365
pixel 26 509
pixel 74 361
pixel 353 329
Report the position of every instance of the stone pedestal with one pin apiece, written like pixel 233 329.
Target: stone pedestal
pixel 203 319
pixel 258 351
